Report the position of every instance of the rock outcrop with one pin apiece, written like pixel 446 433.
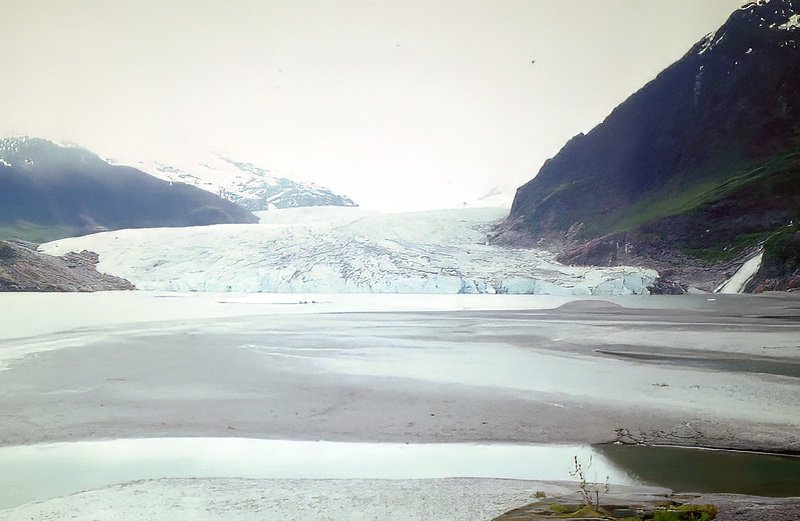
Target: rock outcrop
pixel 23 268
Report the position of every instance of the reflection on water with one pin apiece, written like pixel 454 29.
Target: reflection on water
pixel 40 472
pixel 699 470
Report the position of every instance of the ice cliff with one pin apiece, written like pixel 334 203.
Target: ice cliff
pixel 331 249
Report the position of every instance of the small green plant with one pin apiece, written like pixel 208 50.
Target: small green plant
pixel 539 494
pixel 698 512
pixel 687 513
pixel 666 515
pixel 563 509
pixel 574 511
pixel 590 491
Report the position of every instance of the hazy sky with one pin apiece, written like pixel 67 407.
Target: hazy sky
pixel 396 103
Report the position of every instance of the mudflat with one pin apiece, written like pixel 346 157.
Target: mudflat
pixel 712 371
pixel 699 370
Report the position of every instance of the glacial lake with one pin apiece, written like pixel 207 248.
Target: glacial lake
pixel 41 472
pixel 102 365
pixel 704 470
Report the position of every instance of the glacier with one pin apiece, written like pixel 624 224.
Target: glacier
pixel 346 250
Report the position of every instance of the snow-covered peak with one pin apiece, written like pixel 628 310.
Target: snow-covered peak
pixel 773 14
pixel 13 143
pixel 750 21
pixel 12 149
pixel 27 151
pixel 254 187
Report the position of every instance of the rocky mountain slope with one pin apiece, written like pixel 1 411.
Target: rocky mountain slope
pixel 692 173
pixel 49 191
pixel 246 184
pixel 23 268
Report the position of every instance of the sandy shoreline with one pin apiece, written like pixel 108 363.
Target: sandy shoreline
pixel 456 499
pixel 538 372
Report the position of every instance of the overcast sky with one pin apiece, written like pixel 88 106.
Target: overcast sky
pixel 400 104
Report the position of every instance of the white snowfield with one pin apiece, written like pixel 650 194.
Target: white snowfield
pixel 345 250
pixel 246 184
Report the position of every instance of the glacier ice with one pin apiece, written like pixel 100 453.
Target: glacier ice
pixel 345 250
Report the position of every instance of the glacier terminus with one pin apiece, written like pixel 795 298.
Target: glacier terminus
pixel 346 250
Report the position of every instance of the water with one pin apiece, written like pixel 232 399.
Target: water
pixel 40 472
pixel 702 470
pixel 123 335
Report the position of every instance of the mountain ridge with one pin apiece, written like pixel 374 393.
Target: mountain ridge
pixel 693 172
pixel 246 184
pixel 52 190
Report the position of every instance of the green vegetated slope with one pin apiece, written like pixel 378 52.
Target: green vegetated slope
pixel 704 159
pixel 36 233
pixel 715 218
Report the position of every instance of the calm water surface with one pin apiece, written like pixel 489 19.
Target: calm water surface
pixel 699 470
pixel 41 472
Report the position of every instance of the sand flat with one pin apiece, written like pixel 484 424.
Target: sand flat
pixel 407 371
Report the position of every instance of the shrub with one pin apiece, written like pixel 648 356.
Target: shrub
pixel 590 492
pixel 6 251
pixel 687 513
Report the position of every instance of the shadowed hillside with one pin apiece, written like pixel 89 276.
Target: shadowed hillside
pixel 49 191
pixel 697 169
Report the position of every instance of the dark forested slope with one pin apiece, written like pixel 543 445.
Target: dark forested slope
pixel 698 168
pixel 49 191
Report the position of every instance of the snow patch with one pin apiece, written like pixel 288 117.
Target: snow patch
pixel 738 282
pixel 706 42
pixel 710 41
pixel 792 24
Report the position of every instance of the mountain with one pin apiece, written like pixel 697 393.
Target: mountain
pixel 48 190
pixel 246 184
pixel 344 250
pixel 692 173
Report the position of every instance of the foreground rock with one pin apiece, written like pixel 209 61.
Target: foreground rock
pixel 23 268
pixel 643 503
